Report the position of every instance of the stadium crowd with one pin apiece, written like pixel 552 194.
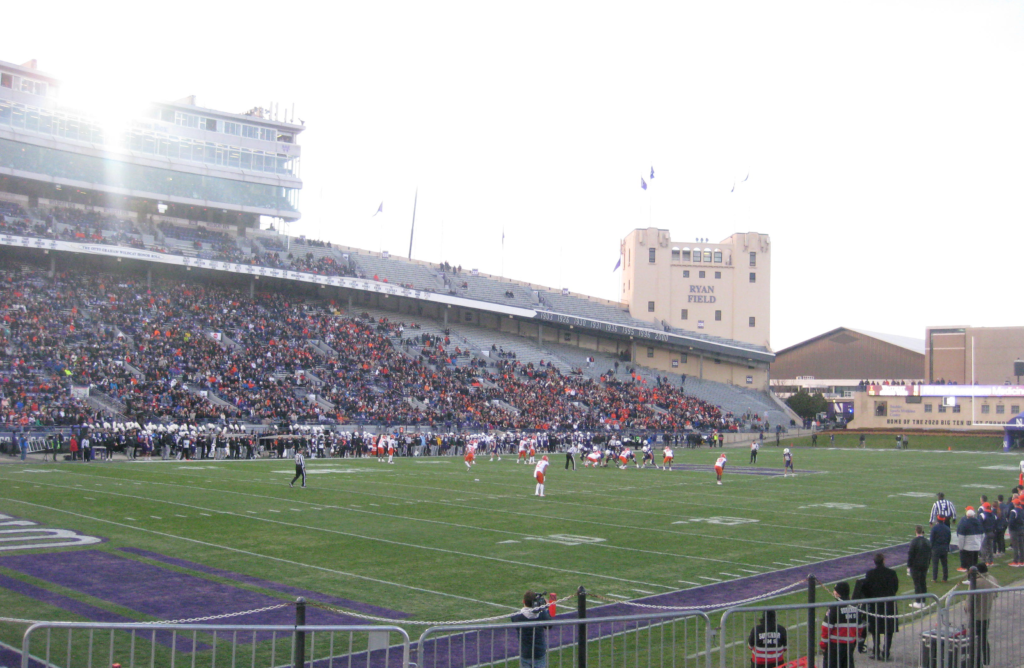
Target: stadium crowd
pixel 193 352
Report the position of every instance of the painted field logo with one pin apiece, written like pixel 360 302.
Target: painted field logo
pixel 26 535
pixel 724 521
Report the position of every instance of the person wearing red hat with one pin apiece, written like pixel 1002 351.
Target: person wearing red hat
pixel 1015 521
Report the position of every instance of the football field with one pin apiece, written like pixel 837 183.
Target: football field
pixel 426 539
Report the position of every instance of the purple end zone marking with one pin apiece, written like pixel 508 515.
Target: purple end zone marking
pixel 90 612
pixel 159 592
pixel 12 657
pixel 364 608
pixel 740 470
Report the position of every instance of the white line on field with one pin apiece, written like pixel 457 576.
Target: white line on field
pixel 412 545
pixel 131 519
pixel 705 577
pixel 177 515
pixel 802 561
pixel 206 514
pixel 747 570
pixel 780 563
pixel 642 591
pixel 732 575
pixel 155 517
pixel 89 498
pixel 618 596
pixel 271 510
pixel 262 556
pixel 687 582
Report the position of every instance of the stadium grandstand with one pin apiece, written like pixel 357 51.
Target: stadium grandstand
pixel 157 303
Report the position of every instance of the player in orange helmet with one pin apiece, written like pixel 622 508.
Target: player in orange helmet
pixel 538 472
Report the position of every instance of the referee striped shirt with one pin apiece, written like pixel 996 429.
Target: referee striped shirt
pixel 300 461
pixel 943 508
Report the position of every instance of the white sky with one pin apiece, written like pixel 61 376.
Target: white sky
pixel 883 139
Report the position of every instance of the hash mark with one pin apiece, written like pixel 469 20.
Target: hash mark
pixel 704 577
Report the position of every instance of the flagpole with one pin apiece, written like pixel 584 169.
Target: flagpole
pixel 412 229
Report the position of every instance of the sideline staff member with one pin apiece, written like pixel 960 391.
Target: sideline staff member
pixel 300 468
pixel 767 642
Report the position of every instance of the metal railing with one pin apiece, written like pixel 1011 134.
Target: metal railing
pixel 962 629
pixel 802 624
pixel 670 639
pixel 88 645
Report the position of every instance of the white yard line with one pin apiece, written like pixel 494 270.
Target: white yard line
pixel 264 556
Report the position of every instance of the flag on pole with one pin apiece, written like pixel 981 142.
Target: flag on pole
pixel 643 184
pixel 503 237
pixel 380 209
pixel 652 172
pixel 617 265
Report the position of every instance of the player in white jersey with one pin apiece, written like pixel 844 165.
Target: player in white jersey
pixel 787 459
pixel 522 451
pixel 470 457
pixel 533 451
pixel 667 461
pixel 648 455
pixel 593 459
pixel 538 473
pixel 720 467
pixel 391 451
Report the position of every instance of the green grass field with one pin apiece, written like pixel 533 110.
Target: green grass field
pixel 429 538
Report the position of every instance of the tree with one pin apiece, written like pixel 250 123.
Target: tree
pixel 807 405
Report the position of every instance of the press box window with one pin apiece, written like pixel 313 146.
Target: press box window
pixel 718 256
pixel 718 315
pixel 752 321
pixel 707 256
pixel 985 409
pixel 650 307
pixel 682 359
pixel 1015 409
pixel 753 277
pixel 686 256
pixel 701 274
pixel 684 314
pixel 1000 409
pixel 675 255
pixel 567 336
pixel 650 255
pixel 753 259
pixel 927 408
pixel 718 274
pixel 650 352
pixel 686 273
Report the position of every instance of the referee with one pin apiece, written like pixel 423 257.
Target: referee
pixel 300 468
pixel 943 511
pixel 570 455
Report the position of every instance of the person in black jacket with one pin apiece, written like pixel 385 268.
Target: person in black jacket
pixel 918 560
pixel 533 640
pixel 842 630
pixel 941 535
pixel 767 642
pixel 881 582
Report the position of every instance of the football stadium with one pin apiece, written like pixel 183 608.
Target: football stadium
pixel 227 445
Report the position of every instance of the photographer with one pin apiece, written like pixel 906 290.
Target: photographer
pixel 533 640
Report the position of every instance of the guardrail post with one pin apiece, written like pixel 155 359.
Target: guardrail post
pixel 973 652
pixel 299 659
pixel 812 644
pixel 581 633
